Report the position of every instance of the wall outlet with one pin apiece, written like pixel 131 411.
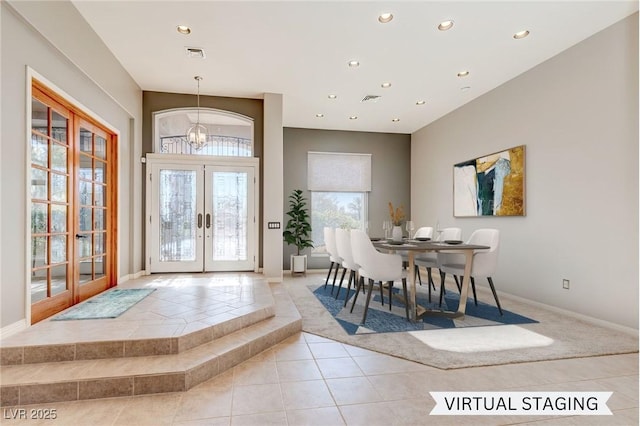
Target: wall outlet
pixel 565 284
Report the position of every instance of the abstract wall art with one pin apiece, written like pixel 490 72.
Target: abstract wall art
pixel 492 185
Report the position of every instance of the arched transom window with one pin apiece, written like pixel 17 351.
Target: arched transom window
pixel 228 133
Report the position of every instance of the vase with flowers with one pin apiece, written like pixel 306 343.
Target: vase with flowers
pixel 397 216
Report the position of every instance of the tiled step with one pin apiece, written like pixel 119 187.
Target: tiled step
pixel 168 321
pixel 78 351
pixel 82 379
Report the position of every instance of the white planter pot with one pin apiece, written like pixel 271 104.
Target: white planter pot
pixel 298 264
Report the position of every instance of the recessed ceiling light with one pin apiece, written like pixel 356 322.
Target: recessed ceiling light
pixel 420 102
pixel 445 25
pixel 395 120
pixel 332 96
pixel 354 63
pixel 465 88
pixel 385 17
pixel 319 115
pixel 183 29
pixel 353 117
pixel 385 85
pixel 521 34
pixel 463 73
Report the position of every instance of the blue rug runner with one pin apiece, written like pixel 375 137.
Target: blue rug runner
pixel 110 304
pixel 381 320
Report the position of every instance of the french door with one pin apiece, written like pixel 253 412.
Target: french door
pixel 201 214
pixel 73 198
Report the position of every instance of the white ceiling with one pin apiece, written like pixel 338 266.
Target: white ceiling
pixel 301 49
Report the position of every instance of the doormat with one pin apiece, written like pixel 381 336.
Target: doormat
pixel 381 320
pixel 110 304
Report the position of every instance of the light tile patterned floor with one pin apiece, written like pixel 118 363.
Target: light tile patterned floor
pixel 311 380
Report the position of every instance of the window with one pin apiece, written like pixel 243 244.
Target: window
pixel 336 210
pixel 228 134
pixel 339 184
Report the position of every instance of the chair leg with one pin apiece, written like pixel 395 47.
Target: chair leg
pixel 382 293
pixel 433 285
pixel 355 296
pixel 366 305
pixel 352 277
pixel 430 283
pixel 455 277
pixel 390 293
pixel 417 274
pixel 344 271
pixel 495 295
pixel 328 275
pixel 442 277
pixel 335 274
pixel 406 297
pixel 473 287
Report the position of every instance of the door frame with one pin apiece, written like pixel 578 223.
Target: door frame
pixel 200 160
pixel 79 110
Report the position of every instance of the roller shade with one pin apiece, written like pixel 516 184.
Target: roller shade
pixel 338 171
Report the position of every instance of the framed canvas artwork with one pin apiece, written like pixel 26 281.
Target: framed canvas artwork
pixel 492 185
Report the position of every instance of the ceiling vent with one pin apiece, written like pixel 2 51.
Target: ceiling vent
pixel 370 98
pixel 195 52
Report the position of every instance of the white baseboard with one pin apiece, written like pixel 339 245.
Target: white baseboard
pixel 123 279
pixel 139 274
pixel 12 329
pixel 595 321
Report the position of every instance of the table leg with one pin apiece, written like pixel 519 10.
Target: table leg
pixel 418 312
pixel 462 306
pixel 412 287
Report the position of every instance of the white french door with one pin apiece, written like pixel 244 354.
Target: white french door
pixel 201 214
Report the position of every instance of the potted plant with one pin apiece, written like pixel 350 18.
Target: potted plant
pixel 298 230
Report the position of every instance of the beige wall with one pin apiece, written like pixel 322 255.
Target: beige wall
pixel 577 114
pixel 390 174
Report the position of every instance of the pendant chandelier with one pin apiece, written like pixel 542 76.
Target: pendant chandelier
pixel 197 134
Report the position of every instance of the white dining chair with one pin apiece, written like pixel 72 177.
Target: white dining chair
pixel 376 267
pixel 334 258
pixel 343 244
pixel 430 260
pixel 485 262
pixel 423 232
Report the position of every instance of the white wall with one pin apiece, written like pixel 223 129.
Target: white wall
pixel 577 114
pixel 82 68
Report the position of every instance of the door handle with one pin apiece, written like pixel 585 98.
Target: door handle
pixel 79 236
pixel 199 220
pixel 208 221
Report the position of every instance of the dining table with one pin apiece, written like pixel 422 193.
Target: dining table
pixel 413 247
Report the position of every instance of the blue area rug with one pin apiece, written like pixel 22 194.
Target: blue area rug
pixel 381 320
pixel 110 304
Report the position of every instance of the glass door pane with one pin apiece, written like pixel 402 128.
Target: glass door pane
pixel 229 218
pixel 91 223
pixel 178 222
pixel 49 188
pixel 176 218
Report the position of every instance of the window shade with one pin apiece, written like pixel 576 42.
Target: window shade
pixel 338 171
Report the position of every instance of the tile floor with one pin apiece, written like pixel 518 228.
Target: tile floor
pixel 311 380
